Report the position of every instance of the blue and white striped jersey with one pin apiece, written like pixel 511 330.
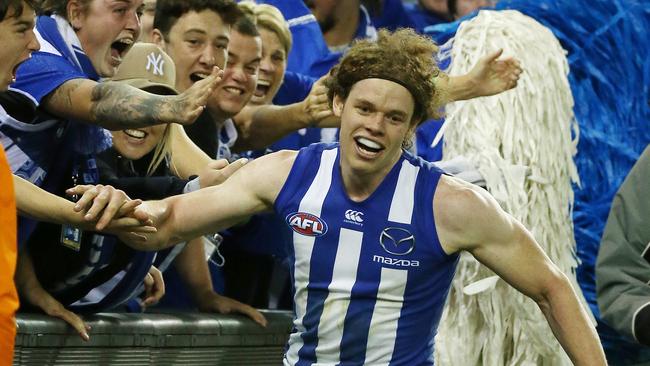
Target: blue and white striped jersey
pixel 370 278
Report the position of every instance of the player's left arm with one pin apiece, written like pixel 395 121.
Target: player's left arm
pixel 501 243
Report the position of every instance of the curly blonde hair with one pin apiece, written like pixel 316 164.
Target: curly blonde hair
pixel 404 57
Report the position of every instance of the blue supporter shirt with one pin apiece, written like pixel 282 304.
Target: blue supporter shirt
pixel 392 15
pixel 425 135
pixel 365 30
pixel 396 14
pixel 309 46
pixel 295 88
pixel 421 18
pixel 55 63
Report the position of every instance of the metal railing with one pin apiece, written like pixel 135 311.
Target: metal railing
pixel 153 339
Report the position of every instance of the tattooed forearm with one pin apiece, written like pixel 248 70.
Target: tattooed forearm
pixel 118 106
pixel 63 95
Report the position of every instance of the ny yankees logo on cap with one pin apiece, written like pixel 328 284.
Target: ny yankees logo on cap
pixel 155 61
pixel 146 66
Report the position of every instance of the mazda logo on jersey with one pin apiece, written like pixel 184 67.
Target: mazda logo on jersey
pixel 397 241
pixel 307 224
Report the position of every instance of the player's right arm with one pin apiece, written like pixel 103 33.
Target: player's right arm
pixel 250 190
pixel 118 106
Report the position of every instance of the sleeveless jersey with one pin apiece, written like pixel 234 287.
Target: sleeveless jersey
pixel 370 278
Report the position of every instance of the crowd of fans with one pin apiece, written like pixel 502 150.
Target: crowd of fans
pixel 190 90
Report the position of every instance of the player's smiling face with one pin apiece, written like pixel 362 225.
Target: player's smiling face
pixel 375 119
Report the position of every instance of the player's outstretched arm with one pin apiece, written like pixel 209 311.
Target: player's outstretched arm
pixel 252 189
pixel 468 218
pixel 118 106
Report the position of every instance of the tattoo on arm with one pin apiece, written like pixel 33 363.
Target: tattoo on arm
pixel 62 96
pixel 119 106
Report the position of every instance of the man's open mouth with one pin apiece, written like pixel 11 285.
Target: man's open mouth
pixel 262 88
pixel 119 48
pixel 198 76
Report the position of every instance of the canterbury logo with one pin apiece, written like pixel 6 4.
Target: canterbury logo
pixel 355 216
pixel 155 62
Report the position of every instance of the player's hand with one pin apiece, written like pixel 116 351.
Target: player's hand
pixel 317 108
pixel 154 287
pixel 218 171
pixel 108 208
pixel 188 105
pixel 492 76
pixel 213 302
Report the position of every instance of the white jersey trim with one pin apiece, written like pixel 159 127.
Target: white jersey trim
pixel 337 302
pixel 385 316
pixel 312 203
pixel 401 207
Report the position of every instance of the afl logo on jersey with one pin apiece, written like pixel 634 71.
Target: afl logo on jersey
pixel 307 224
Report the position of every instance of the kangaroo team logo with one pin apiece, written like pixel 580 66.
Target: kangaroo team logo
pixel 307 224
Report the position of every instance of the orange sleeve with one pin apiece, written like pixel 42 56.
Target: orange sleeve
pixel 8 248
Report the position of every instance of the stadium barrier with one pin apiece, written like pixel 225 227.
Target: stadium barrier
pixel 153 339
